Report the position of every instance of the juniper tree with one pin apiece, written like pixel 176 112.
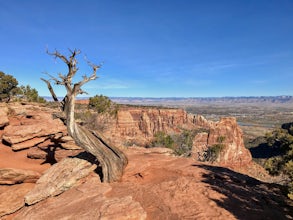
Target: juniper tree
pixel 111 159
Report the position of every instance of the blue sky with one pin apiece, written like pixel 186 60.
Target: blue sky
pixel 154 48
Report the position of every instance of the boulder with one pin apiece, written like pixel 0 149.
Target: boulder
pixel 11 197
pixel 13 176
pixel 36 153
pixel 41 124
pixel 3 116
pixel 28 143
pixel 59 178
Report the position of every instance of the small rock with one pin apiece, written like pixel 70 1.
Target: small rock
pixel 36 153
pixel 28 143
pixel 3 116
pixel 13 176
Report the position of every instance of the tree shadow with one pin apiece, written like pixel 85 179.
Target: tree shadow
pixel 50 157
pixel 246 197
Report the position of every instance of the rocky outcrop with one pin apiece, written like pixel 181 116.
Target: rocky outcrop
pixel 40 125
pixel 138 125
pixel 32 126
pixel 154 186
pixel 12 176
pixel 59 178
pixel 3 116
pixel 227 134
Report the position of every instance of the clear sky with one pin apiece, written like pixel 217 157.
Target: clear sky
pixel 154 48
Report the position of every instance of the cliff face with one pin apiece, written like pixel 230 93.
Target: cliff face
pixel 34 129
pixel 140 124
pixel 137 126
pixel 227 134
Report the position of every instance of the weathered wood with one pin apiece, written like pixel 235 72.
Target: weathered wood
pixel 50 89
pixel 112 160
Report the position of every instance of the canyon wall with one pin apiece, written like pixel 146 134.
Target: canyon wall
pixel 138 126
pixel 33 128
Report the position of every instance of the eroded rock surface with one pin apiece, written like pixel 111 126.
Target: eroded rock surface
pixel 87 201
pixel 36 126
pixel 3 116
pixel 12 176
pixel 11 197
pixel 59 178
pixel 227 133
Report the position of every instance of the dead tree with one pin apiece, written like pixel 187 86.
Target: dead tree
pixel 112 160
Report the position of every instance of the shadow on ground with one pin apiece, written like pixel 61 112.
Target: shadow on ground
pixel 246 197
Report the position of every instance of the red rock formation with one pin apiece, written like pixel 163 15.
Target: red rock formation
pixel 38 124
pixel 138 125
pixel 226 132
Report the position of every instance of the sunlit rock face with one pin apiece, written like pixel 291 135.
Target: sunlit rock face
pixel 138 126
pixel 229 135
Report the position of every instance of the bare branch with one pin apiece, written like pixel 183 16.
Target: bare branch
pixel 56 54
pixel 57 81
pixel 50 89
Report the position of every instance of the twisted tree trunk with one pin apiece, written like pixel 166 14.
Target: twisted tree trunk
pixel 112 159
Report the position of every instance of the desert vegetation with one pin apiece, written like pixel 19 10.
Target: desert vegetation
pixel 274 151
pixel 9 90
pixel 182 143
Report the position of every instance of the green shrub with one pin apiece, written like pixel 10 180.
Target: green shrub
pixel 102 104
pixel 221 139
pixel 281 139
pixel 214 151
pixel 162 139
pixel 30 94
pixel 180 143
pixel 8 87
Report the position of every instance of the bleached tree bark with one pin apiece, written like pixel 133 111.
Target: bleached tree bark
pixel 112 160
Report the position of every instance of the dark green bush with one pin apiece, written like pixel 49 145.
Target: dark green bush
pixel 214 151
pixel 281 139
pixel 162 139
pixel 8 87
pixel 102 104
pixel 30 94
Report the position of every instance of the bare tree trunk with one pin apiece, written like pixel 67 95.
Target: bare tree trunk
pixel 112 160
